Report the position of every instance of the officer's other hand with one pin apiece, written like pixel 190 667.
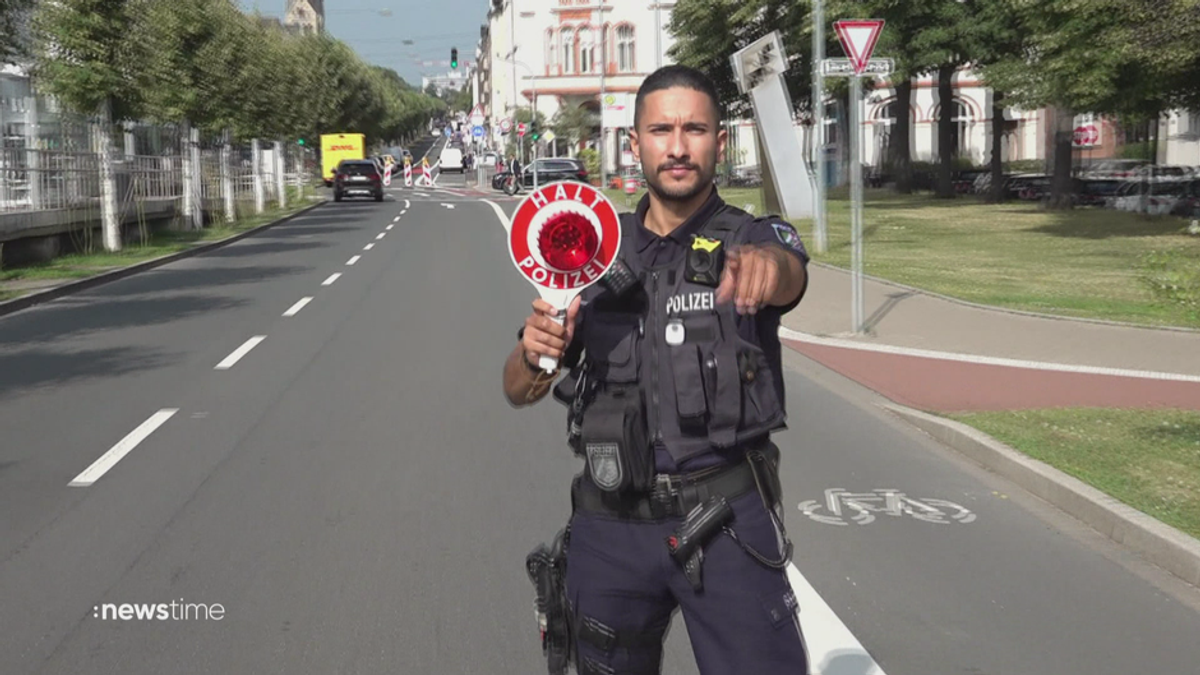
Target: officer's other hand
pixel 543 336
pixel 750 278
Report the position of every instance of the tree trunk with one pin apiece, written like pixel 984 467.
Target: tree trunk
pixel 946 149
pixel 1060 186
pixel 997 161
pixel 109 218
pixel 899 145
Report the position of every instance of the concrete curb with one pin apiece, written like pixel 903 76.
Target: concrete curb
pixel 1006 310
pixel 1161 544
pixel 39 297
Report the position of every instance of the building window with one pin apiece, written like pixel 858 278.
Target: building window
pixel 586 51
pixel 961 124
pixel 625 49
pixel 568 50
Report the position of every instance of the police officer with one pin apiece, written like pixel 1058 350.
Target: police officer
pixel 674 386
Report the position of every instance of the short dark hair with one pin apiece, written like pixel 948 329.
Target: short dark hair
pixel 672 76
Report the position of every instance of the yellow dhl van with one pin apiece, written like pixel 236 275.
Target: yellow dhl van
pixel 335 148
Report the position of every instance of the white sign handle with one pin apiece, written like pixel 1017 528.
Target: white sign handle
pixel 561 301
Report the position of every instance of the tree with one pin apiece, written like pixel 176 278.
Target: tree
pixel 431 90
pixel 574 124
pixel 905 21
pixel 708 32
pixel 83 58
pixel 944 43
pixel 14 20
pixel 1102 56
pixel 525 116
pixel 996 36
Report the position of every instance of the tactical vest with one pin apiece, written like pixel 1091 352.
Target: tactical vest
pixel 706 387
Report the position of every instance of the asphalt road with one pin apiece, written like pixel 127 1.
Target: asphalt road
pixel 357 496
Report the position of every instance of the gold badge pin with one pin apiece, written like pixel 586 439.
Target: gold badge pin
pixel 703 244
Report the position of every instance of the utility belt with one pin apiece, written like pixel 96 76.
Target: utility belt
pixel 676 495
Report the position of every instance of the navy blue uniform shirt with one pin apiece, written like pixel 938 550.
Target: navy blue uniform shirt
pixel 761 328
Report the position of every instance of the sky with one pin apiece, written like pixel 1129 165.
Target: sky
pixel 434 27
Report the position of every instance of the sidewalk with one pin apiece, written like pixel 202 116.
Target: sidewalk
pixel 1054 362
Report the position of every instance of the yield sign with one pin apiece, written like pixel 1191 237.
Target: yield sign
pixel 858 38
pixel 477 111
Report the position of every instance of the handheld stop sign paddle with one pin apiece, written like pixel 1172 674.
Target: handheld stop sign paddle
pixel 564 238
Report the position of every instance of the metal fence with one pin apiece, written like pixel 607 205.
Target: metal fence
pixel 50 160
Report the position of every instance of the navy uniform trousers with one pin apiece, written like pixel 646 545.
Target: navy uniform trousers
pixel 742 622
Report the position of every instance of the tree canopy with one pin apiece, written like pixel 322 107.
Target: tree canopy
pixel 208 63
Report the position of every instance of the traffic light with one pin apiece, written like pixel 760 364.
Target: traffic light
pixel 534 132
pixel 300 142
pixel 454 57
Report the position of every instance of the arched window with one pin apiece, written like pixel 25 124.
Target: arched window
pixel 587 53
pixel 568 51
pixel 962 125
pixel 625 49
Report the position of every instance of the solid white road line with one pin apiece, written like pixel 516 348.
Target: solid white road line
pixel 115 453
pixel 240 352
pixel 295 309
pixel 381 235
pixel 983 360
pixel 368 247
pixel 353 259
pixel 499 214
pixel 826 637
pixel 332 278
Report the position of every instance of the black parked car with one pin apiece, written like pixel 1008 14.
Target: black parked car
pixel 358 177
pixel 548 171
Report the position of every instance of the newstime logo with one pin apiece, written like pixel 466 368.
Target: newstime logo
pixel 176 610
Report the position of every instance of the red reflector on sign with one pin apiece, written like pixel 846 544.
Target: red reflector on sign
pixel 568 241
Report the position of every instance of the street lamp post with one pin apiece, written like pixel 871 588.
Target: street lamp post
pixel 512 37
pixel 603 72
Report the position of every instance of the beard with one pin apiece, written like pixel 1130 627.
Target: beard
pixel 680 192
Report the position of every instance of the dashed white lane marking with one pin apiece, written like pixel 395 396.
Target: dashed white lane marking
pixel 449 206
pixel 825 636
pixel 389 227
pixel 238 353
pixel 332 278
pixel 353 259
pixel 499 214
pixel 109 459
pixel 396 219
pixel 381 235
pixel 295 309
pixel 405 207
pixel 983 360
pixel 368 247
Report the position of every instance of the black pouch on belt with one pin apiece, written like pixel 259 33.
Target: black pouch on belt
pixel 615 440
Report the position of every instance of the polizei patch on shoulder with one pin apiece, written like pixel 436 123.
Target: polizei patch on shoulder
pixel 788 235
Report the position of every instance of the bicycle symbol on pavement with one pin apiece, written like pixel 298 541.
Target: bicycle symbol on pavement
pixel 862 507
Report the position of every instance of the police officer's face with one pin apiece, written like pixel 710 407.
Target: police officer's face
pixel 678 141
